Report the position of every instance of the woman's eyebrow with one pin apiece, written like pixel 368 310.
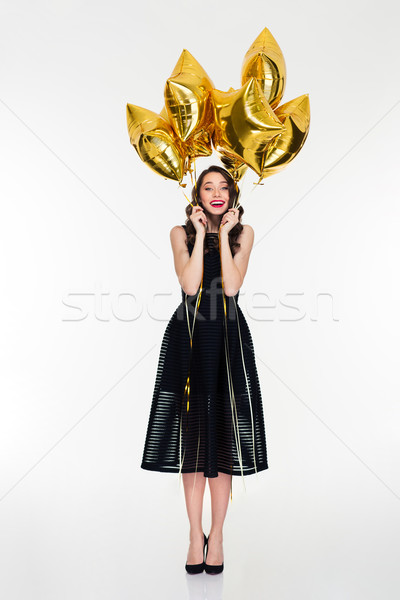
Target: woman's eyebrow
pixel 210 182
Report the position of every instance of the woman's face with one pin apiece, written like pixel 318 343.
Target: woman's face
pixel 214 193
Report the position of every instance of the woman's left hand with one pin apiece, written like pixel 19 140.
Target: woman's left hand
pixel 229 220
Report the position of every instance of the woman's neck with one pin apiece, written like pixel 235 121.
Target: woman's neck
pixel 213 223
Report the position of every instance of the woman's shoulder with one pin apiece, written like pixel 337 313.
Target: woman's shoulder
pixel 247 228
pixel 178 230
pixel 247 233
pixel 178 236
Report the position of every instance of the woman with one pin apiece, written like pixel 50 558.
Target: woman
pixel 206 419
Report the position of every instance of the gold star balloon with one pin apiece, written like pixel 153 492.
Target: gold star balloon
pixel 241 124
pixel 264 61
pixel 155 142
pixel 244 124
pixel 235 167
pixel 295 116
pixel 188 104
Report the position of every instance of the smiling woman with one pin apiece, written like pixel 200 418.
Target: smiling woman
pixel 206 415
pixel 214 191
pixel 211 190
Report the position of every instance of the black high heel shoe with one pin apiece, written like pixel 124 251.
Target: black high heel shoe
pixel 199 568
pixel 212 569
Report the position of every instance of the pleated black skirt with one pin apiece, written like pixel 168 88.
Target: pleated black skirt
pixel 206 413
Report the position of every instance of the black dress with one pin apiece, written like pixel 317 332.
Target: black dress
pixel 206 413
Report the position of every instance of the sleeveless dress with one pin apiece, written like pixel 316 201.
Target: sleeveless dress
pixel 206 413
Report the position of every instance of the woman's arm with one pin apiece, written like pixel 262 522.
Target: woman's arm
pixel 234 267
pixel 188 268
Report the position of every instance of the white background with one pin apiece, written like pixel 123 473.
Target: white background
pixel 85 250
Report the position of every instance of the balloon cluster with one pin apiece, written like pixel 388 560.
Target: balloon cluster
pixel 246 126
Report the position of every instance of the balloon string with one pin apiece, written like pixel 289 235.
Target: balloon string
pixel 247 386
pixel 195 172
pixel 187 198
pixel 190 170
pixel 236 203
pixel 194 183
pixel 191 167
pixel 235 421
pixel 187 386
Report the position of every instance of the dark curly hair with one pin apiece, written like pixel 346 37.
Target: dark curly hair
pixel 234 233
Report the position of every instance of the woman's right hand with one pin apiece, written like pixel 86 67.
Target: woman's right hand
pixel 199 219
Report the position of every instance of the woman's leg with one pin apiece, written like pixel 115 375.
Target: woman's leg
pixel 194 485
pixel 219 488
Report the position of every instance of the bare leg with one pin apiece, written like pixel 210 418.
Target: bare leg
pixel 219 488
pixel 194 485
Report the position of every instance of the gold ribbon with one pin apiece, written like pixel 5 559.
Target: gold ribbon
pixel 235 421
pixel 187 386
pixel 186 392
